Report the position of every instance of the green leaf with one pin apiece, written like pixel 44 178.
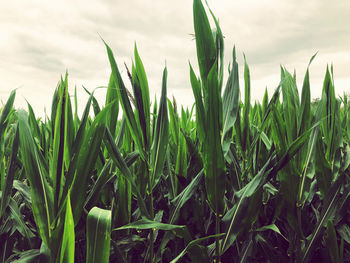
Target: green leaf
pixel 290 105
pixel 219 44
pixel 19 220
pixel 57 163
pixel 230 104
pixel 68 239
pixel 28 256
pixel 331 127
pixel 4 118
pixel 323 170
pixel 139 112
pixel 76 149
pixel 86 162
pixel 235 213
pixel 309 152
pixel 24 191
pixel 269 171
pixel 36 171
pixel 246 108
pixel 33 122
pixel 103 178
pixel 344 232
pixel 54 105
pixel 270 107
pixel 192 244
pixel 122 166
pixel 10 175
pixel 6 112
pixel 122 201
pixel 332 242
pixel 125 103
pixel 214 164
pixel 329 209
pixel 305 107
pixel 145 223
pixel 160 139
pixel 142 80
pixel 266 141
pixel 200 112
pixel 112 97
pixel 206 49
pixel 98 235
pixel 185 195
pixel 272 227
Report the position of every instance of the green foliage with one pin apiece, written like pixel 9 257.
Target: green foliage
pixel 138 181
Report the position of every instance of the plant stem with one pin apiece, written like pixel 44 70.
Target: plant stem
pixel 151 233
pixel 151 212
pixel 217 245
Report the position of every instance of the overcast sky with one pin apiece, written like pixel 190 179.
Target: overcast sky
pixel 40 40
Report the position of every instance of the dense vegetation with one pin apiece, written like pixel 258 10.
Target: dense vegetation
pixel 225 181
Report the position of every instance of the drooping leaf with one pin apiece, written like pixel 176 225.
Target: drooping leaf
pixel 272 227
pixel 192 244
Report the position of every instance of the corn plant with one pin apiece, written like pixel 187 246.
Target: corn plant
pixel 141 180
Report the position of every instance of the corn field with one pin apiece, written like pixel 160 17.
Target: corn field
pixel 225 181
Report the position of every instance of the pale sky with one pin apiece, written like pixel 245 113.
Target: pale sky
pixel 40 40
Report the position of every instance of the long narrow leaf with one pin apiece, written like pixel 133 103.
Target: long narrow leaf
pixel 10 175
pixel 160 140
pixel 98 233
pixel 86 161
pixel 68 238
pixel 41 192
